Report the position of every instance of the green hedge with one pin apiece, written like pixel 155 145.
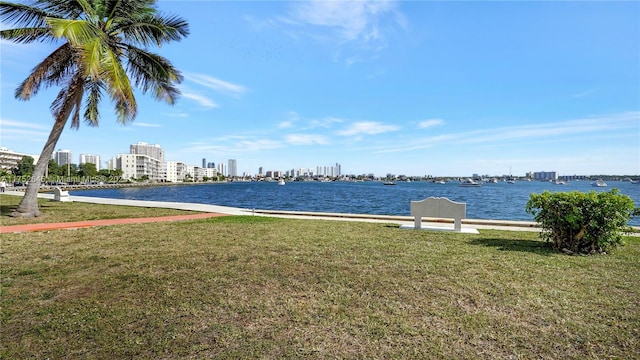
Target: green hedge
pixel 579 222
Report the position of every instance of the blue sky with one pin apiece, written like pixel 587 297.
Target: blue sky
pixel 413 88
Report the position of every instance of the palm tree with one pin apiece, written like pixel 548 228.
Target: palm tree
pixel 99 38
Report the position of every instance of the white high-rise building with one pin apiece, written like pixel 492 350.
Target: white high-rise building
pixel 233 169
pixel 222 169
pixel 152 151
pixel 89 158
pixel 62 157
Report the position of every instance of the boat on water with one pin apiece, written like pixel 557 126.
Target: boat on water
pixel 281 182
pixel 559 182
pixel 470 183
pixel 389 183
pixel 599 183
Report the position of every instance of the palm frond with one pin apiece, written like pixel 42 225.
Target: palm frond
pixel 23 15
pixel 27 35
pixel 92 54
pixel 119 87
pixel 69 99
pixel 66 9
pixel 150 29
pixel 51 71
pixel 153 72
pixel 91 113
pixel 77 32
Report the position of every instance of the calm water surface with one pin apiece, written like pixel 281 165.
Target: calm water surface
pixel 501 201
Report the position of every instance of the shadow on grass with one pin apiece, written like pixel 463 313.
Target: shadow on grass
pixel 6 210
pixel 532 246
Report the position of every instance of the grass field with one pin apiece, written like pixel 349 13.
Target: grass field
pixel 255 287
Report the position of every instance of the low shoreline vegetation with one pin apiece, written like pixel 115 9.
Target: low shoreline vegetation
pixel 255 287
pixel 584 223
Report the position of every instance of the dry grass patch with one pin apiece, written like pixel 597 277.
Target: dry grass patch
pixel 249 287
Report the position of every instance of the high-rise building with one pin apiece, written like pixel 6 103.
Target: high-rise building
pixel 222 169
pixel 62 157
pixel 89 158
pixel 233 169
pixel 204 162
pixel 152 151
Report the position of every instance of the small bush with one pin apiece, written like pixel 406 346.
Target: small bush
pixel 580 222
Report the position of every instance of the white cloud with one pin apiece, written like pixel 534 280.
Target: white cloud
pixel 606 126
pixel 216 84
pixel 353 20
pixel 326 122
pixel 200 99
pixel 142 124
pixel 429 123
pixel 13 123
pixel 18 130
pixel 306 139
pixel 368 128
pixel 293 117
pixel 583 94
pixel 233 145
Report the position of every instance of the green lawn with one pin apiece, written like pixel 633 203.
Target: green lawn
pixel 255 287
pixel 56 211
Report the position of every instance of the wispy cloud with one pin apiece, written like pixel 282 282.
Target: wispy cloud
pixel 430 123
pixel 234 145
pixel 602 126
pixel 142 124
pixel 596 124
pixel 12 123
pixel 356 31
pixel 218 85
pixel 368 128
pixel 352 20
pixel 583 93
pixel 292 119
pixel 200 99
pixel 325 122
pixel 12 129
pixel 306 139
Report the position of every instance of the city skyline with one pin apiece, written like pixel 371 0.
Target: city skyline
pixel 318 170
pixel 415 88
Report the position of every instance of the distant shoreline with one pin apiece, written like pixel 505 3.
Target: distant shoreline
pixel 49 188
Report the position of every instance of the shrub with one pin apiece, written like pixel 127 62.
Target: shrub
pixel 579 222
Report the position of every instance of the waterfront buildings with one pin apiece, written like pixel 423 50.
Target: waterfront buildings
pixel 62 157
pixel 138 166
pixel 90 159
pixel 153 151
pixel 9 159
pixel 545 176
pixel 233 168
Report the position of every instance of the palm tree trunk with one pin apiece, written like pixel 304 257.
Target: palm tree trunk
pixel 28 206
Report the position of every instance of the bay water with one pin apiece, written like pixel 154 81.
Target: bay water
pixel 499 201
